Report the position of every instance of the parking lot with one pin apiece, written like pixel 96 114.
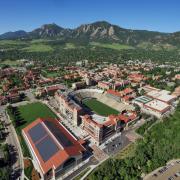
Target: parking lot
pixel 114 145
pixel 169 172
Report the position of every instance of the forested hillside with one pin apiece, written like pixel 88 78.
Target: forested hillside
pixel 98 41
pixel 158 146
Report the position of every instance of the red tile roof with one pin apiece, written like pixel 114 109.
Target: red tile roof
pixel 63 154
pixel 112 119
pixel 128 90
pixel 115 93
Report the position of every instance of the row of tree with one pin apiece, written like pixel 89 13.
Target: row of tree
pixel 93 54
pixel 17 119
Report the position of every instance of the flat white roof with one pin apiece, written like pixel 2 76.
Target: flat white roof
pixel 148 88
pixel 99 119
pixel 157 105
pixel 161 95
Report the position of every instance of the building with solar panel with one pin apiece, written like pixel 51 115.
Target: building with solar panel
pixel 53 149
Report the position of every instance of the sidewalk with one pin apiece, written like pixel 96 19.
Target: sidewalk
pixel 17 145
pixel 74 169
pixel 92 168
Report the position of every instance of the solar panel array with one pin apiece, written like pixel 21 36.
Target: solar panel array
pixel 45 145
pixel 60 136
pixel 37 132
pixel 47 148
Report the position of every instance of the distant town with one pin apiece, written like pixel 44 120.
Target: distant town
pixel 62 122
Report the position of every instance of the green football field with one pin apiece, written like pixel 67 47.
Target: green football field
pixel 99 107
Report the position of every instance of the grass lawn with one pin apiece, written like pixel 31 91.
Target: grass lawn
pixel 70 46
pixel 99 107
pixel 29 113
pixel 115 46
pixel 40 41
pixel 10 62
pixel 11 42
pixel 51 74
pixel 38 47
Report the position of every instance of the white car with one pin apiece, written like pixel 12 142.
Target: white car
pixel 177 174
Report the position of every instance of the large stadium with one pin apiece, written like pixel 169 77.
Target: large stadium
pixel 94 111
pixel 98 102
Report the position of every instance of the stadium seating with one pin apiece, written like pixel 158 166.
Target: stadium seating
pixel 82 94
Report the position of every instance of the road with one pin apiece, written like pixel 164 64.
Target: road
pixel 17 164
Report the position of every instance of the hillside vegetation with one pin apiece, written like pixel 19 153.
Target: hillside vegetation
pixel 98 41
pixel 158 146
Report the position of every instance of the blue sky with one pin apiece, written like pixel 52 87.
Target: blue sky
pixel 157 15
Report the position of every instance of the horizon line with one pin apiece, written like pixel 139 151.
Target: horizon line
pixel 64 27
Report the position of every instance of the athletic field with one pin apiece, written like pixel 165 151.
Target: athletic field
pixel 99 107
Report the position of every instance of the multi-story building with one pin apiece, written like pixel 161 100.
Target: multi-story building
pixel 100 128
pixel 104 85
pixel 162 95
pixel 69 108
pixel 153 106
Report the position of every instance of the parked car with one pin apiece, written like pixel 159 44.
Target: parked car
pixel 177 174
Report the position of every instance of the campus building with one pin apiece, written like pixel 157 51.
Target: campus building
pixel 69 108
pixel 54 150
pixel 156 101
pixel 104 85
pixel 100 128
pixel 153 106
pixel 162 95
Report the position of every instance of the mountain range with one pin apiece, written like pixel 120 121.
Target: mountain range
pixel 100 31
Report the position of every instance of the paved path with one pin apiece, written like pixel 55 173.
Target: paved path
pixel 79 169
pixel 17 164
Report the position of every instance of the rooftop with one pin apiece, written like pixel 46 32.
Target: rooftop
pixel 157 105
pixel 51 143
pixel 161 95
pixel 114 93
pixel 143 99
pixel 99 119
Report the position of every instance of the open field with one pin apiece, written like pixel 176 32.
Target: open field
pixel 70 46
pixel 29 113
pixel 40 41
pixel 156 47
pixel 52 74
pixel 11 42
pixel 39 47
pixel 99 107
pixel 11 63
pixel 115 46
